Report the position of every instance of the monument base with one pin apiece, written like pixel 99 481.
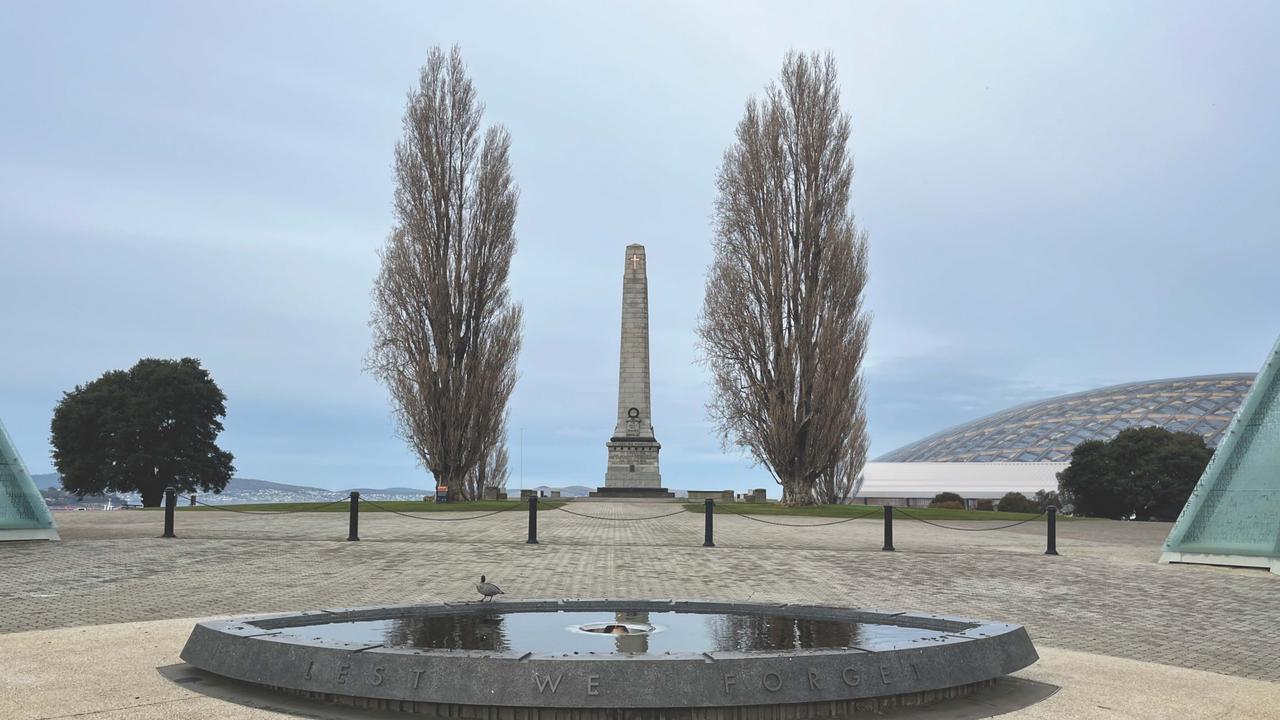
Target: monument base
pixel 651 493
pixel 1266 563
pixel 30 534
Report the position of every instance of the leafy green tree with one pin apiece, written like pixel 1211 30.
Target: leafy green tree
pixel 1088 484
pixel 1017 502
pixel 142 430
pixel 1146 473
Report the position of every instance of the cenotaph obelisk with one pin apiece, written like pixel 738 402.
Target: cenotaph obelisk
pixel 633 449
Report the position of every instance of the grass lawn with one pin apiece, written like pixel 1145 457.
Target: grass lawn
pixel 410 506
pixel 872 511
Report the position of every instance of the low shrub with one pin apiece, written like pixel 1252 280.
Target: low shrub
pixel 947 500
pixel 1017 502
pixel 984 505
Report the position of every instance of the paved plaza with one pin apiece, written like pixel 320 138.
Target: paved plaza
pixel 1104 594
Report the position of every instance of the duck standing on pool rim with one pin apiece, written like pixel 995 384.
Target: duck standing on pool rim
pixel 487 590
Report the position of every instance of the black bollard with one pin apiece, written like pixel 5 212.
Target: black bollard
pixel 170 504
pixel 888 528
pixel 533 521
pixel 353 524
pixel 1053 531
pixel 709 511
pixel 192 502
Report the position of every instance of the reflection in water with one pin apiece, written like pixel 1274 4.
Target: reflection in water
pixel 560 632
pixel 448 632
pixel 638 643
pixel 776 632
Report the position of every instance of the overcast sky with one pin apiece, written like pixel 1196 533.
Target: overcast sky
pixel 1059 196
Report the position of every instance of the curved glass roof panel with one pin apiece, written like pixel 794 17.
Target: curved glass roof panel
pixel 1048 430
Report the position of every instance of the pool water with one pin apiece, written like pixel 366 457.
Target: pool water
pixel 562 633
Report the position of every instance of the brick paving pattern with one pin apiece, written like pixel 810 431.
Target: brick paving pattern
pixel 1105 594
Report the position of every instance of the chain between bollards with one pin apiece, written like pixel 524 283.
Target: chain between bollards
pixel 1052 523
pixel 533 521
pixel 888 529
pixel 708 510
pixel 353 524
pixel 170 503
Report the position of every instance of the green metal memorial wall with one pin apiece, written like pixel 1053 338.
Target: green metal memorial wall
pixel 23 514
pixel 1233 515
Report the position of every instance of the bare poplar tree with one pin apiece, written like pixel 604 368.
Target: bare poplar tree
pixel 492 472
pixel 446 333
pixel 497 468
pixel 783 328
pixel 838 484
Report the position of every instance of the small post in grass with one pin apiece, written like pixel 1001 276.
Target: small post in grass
pixel 888 528
pixel 533 520
pixel 708 510
pixel 353 522
pixel 1052 522
pixel 170 504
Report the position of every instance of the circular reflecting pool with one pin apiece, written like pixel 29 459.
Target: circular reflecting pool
pixel 625 631
pixel 594 656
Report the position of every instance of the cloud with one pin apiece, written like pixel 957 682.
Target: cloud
pixel 1058 198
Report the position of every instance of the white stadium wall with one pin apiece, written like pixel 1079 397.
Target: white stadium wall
pixel 916 483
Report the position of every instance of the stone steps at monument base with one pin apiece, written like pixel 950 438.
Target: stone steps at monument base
pixel 637 493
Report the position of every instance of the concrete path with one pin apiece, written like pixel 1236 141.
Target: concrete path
pixel 127 672
pixel 1104 595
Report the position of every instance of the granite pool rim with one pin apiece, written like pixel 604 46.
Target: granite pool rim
pixel 969 654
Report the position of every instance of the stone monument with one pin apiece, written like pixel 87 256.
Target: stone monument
pixel 633 449
pixel 1233 515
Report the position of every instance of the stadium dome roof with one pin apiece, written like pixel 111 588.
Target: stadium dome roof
pixel 1048 430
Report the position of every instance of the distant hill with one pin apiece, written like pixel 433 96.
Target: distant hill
pixel 239 485
pixel 250 486
pixel 236 486
pixel 57 497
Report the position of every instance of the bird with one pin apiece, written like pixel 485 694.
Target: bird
pixel 487 589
